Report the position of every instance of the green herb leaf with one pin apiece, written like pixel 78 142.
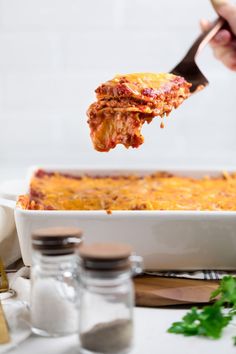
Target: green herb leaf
pixel 209 322
pixel 226 290
pixel 211 319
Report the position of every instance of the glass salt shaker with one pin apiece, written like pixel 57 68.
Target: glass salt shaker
pixel 107 298
pixel 54 281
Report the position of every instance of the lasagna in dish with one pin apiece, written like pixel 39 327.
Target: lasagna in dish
pixel 159 191
pixel 126 102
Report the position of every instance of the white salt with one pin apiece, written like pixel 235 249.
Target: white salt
pixel 51 311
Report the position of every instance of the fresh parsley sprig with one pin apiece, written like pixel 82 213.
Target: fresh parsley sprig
pixel 226 292
pixel 211 319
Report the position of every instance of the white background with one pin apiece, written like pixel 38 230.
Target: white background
pixel 54 53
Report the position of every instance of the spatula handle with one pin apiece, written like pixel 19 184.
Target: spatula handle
pixel 204 39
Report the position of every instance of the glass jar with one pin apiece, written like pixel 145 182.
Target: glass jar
pixel 54 281
pixel 106 298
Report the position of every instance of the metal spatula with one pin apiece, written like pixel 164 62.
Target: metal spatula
pixel 188 68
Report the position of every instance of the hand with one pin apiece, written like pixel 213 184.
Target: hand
pixel 224 42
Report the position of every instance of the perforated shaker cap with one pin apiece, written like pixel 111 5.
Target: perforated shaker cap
pixel 105 256
pixel 57 240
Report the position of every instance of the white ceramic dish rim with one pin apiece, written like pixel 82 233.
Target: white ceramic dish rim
pixel 76 170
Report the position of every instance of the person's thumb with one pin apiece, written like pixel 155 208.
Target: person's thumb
pixel 227 10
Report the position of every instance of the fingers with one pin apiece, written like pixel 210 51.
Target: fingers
pixel 227 10
pixel 228 58
pixel 227 55
pixel 223 44
pixel 204 24
pixel 217 3
pixel 221 52
pixel 222 38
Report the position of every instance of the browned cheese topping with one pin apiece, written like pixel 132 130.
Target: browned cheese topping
pixel 159 191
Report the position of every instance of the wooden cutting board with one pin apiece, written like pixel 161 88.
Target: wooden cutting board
pixel 153 291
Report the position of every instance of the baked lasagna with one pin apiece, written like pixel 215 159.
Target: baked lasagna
pixel 158 191
pixel 126 102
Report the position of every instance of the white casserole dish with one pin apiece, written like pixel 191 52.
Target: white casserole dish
pixel 167 240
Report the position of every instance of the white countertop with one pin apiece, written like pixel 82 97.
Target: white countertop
pixel 150 338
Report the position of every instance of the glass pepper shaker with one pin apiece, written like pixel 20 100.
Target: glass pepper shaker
pixel 106 298
pixel 54 281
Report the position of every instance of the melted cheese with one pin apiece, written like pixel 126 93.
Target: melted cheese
pixel 152 192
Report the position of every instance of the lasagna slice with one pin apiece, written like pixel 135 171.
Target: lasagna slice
pixel 126 102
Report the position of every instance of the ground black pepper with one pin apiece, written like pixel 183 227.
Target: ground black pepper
pixel 108 337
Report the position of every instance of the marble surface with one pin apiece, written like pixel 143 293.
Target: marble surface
pixel 150 338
